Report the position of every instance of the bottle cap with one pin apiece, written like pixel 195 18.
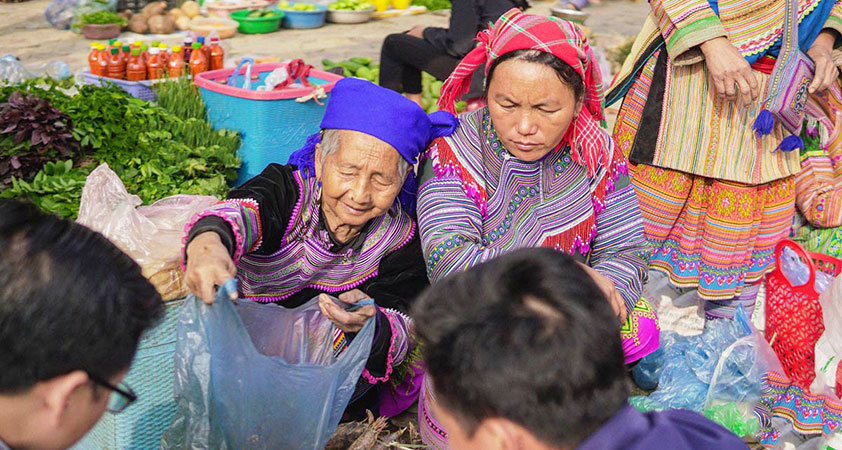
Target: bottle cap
pixel 137 43
pixel 200 39
pixel 95 45
pixel 135 52
pixel 176 48
pixel 156 43
pixel 126 48
pixel 214 40
pixel 163 47
pixel 118 43
pixel 114 50
pixel 154 50
pixel 144 47
pixel 197 45
pixel 112 41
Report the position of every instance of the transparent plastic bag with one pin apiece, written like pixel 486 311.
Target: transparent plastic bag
pixel 798 273
pixel 151 235
pixel 59 13
pixel 12 71
pixel 256 376
pixel 737 380
pixel 829 346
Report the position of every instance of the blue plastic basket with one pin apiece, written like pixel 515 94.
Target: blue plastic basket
pixel 304 19
pixel 272 124
pixel 144 422
pixel 138 89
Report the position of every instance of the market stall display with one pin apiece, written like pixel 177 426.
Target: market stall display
pixel 158 149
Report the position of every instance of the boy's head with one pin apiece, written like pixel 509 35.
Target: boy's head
pixel 72 309
pixel 524 352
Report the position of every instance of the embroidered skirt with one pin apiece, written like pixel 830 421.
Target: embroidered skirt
pixel 717 236
pixel 640 337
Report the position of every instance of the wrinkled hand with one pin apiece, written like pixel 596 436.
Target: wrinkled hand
pixel 347 321
pixel 607 287
pixel 731 73
pixel 820 53
pixel 417 31
pixel 208 265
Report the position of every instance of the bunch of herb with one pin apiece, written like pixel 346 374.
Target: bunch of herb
pixel 32 132
pixel 180 97
pixel 56 188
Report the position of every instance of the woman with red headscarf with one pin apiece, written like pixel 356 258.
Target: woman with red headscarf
pixel 534 168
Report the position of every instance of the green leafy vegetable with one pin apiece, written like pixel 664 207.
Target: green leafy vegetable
pixel 103 18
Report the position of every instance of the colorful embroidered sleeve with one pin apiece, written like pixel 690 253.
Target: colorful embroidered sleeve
pixel 684 25
pixel 450 223
pixel 255 216
pixel 400 342
pixel 620 251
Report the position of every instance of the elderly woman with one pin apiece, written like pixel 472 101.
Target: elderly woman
pixel 338 219
pixel 534 168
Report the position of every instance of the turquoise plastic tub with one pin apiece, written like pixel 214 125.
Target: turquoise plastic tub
pixel 271 123
pixel 304 19
pixel 151 376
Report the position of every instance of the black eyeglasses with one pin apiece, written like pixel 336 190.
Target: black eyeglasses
pixel 121 395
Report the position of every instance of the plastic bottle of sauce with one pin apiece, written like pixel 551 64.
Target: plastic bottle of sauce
pixel 102 60
pixel 217 54
pixel 154 65
pixel 175 67
pixel 135 69
pixel 93 59
pixel 116 65
pixel 144 53
pixel 165 54
pixel 205 48
pixel 198 60
pixel 187 48
pixel 127 51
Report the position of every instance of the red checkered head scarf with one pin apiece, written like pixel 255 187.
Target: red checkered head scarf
pixel 518 31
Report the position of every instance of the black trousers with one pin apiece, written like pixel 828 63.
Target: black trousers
pixel 404 57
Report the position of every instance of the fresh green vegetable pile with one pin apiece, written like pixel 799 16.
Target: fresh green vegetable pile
pixel 356 67
pixel 350 5
pixel 297 6
pixel 432 5
pixel 262 14
pixel 103 18
pixel 158 150
pixel 366 69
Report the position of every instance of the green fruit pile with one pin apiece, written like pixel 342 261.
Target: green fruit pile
pixel 350 5
pixel 261 14
pixel 356 67
pixel 297 6
pixel 431 92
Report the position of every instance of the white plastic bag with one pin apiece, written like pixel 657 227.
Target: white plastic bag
pixel 829 346
pixel 151 235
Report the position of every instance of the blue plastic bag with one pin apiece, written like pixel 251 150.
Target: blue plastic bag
pixel 256 376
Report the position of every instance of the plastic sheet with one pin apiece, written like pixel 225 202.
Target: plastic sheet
pixel 13 71
pixel 151 235
pixel 255 376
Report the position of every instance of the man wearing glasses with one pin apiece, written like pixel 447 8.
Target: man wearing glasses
pixel 72 309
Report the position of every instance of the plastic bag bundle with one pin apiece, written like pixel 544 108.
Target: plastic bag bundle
pixel 689 363
pixel 256 376
pixel 59 13
pixel 730 417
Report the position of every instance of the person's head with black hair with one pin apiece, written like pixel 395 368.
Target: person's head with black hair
pixel 72 309
pixel 524 352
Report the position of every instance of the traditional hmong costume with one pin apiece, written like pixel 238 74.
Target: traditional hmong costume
pixel 715 195
pixel 478 201
pixel 276 233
